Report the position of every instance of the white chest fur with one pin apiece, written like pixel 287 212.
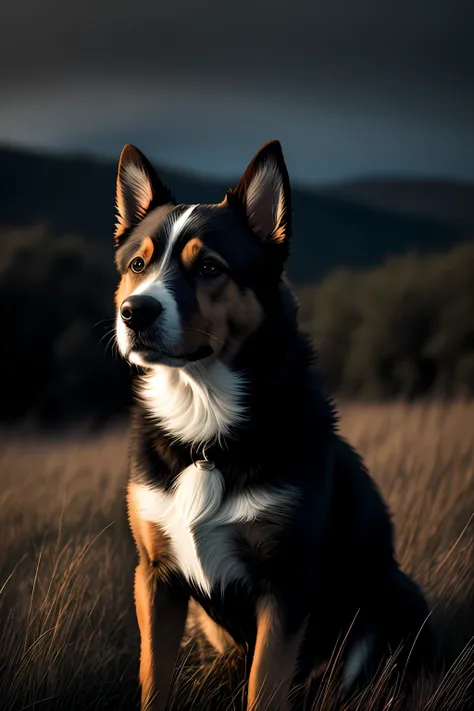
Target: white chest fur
pixel 195 404
pixel 199 522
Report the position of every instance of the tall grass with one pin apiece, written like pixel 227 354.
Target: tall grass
pixel 68 635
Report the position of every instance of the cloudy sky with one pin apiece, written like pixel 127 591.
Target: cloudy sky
pixel 351 87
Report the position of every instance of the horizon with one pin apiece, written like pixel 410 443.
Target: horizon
pixel 349 90
pixel 377 178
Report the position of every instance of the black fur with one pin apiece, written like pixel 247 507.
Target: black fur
pixel 333 560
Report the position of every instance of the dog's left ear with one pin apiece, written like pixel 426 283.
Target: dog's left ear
pixel 138 190
pixel 263 194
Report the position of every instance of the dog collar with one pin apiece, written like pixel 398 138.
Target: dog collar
pixel 204 465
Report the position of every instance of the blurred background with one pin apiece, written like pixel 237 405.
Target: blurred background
pixel 373 102
pixel 374 105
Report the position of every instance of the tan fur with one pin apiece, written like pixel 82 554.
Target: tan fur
pixel 191 252
pixel 274 661
pixel 199 622
pixel 152 543
pixel 142 606
pixel 161 618
pixel 147 249
pixel 124 289
pixel 130 280
pixel 227 314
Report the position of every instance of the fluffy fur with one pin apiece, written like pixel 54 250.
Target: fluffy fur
pixel 195 405
pixel 199 523
pixel 285 547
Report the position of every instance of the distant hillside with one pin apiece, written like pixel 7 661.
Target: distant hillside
pixel 436 199
pixel 76 194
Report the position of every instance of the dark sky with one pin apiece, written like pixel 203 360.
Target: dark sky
pixel 350 87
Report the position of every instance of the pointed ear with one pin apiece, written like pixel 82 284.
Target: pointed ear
pixel 138 190
pixel 264 195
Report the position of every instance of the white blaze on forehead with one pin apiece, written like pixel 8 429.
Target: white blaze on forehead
pixel 178 224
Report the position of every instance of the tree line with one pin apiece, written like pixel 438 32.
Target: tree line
pixel 402 329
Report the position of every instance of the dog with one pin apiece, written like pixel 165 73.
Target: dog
pixel 243 498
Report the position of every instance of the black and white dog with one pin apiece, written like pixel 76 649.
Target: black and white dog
pixel 243 498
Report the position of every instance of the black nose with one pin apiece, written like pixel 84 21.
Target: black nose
pixel 139 312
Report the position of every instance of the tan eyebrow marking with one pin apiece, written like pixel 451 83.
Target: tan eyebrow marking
pixel 147 248
pixel 191 251
pixel 144 249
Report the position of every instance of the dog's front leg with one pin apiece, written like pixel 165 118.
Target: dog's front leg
pixel 161 611
pixel 275 657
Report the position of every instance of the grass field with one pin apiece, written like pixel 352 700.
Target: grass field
pixel 68 636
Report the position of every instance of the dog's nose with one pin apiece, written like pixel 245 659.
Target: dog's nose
pixel 139 312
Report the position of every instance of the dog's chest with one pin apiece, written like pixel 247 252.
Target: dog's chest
pixel 202 523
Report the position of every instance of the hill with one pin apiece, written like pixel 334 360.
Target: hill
pixel 75 194
pixel 451 202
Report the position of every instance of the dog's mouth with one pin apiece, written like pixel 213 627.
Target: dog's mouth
pixel 160 356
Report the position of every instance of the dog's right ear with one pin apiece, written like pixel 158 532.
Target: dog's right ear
pixel 138 191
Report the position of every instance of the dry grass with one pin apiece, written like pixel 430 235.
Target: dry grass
pixel 68 637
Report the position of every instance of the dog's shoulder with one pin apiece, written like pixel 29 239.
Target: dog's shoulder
pixel 358 506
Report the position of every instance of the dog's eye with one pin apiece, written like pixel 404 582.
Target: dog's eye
pixel 137 265
pixel 210 268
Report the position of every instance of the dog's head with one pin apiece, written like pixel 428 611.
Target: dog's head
pixel 195 279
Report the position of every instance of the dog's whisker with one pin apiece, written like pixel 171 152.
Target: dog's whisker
pixel 112 339
pixel 205 333
pixel 104 320
pixel 110 332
